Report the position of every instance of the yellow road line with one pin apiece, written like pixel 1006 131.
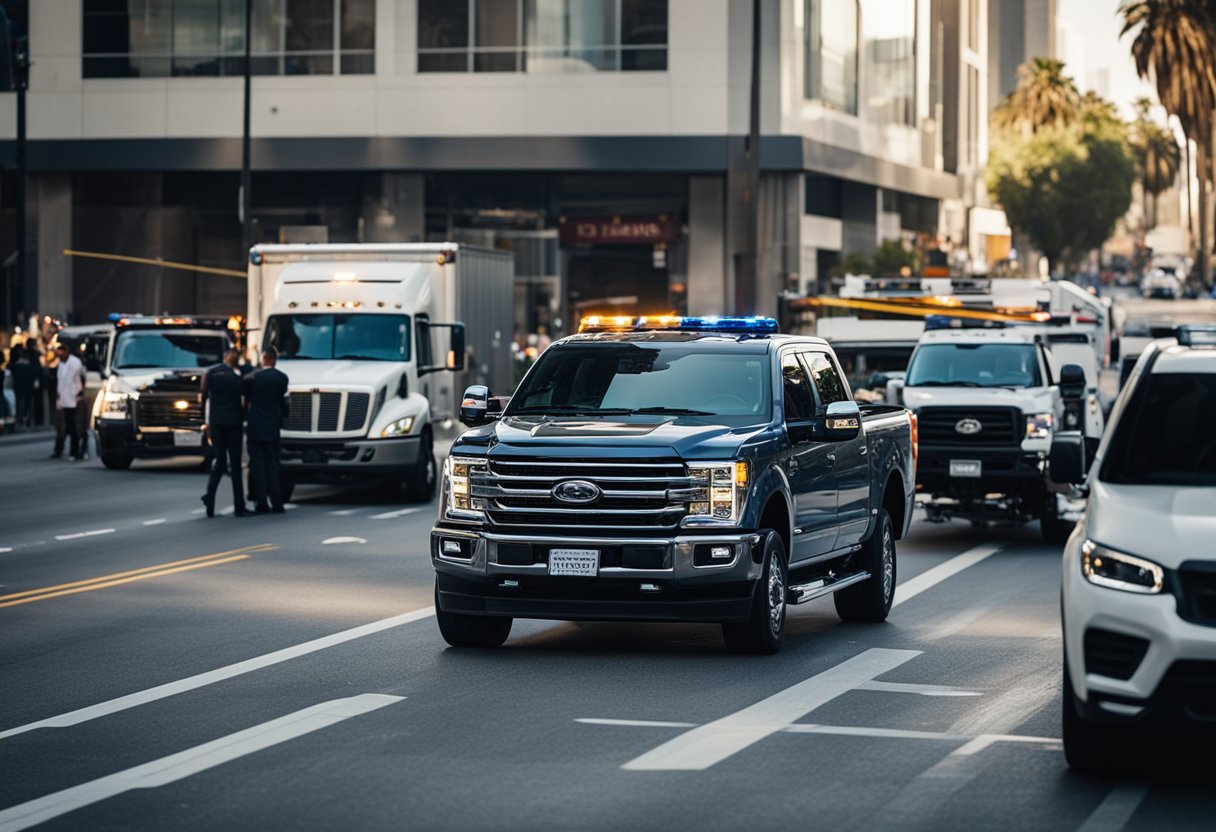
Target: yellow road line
pixel 123 581
pixel 107 579
pixel 151 261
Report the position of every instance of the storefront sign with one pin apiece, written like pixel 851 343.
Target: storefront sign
pixel 618 229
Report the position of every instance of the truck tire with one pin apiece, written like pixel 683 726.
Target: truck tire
pixel 287 486
pixel 1090 747
pixel 763 633
pixel 1056 531
pixel 420 488
pixel 870 600
pixel 117 462
pixel 471 630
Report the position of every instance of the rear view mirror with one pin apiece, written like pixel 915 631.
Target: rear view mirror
pixel 475 406
pixel 454 360
pixel 1068 463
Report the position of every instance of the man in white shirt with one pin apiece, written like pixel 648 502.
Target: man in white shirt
pixel 70 383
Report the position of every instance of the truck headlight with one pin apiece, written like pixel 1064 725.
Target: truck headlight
pixel 398 428
pixel 116 405
pixel 1038 425
pixel 718 490
pixel 459 471
pixel 1117 570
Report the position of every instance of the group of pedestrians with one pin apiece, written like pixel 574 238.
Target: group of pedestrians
pixel 249 406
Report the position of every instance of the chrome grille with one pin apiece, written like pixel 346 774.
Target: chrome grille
pixel 635 494
pixel 299 415
pixel 159 411
pixel 356 410
pixel 998 426
pixel 326 411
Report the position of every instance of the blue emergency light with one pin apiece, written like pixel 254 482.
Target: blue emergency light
pixel 734 324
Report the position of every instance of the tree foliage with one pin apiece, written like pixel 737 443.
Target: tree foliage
pixel 1156 153
pixel 1044 97
pixel 892 257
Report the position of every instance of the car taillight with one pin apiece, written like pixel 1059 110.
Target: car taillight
pixel 915 436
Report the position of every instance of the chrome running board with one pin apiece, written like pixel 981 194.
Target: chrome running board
pixel 801 593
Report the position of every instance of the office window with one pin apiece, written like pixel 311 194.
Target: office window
pixel 823 196
pixel 889 43
pixel 831 53
pixel 158 38
pixel 542 36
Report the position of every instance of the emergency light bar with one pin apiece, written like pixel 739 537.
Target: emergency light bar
pixel 1197 335
pixel 749 325
pixel 121 320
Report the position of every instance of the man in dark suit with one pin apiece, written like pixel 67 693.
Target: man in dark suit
pixel 222 388
pixel 265 392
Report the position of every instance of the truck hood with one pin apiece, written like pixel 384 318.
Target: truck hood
pixel 156 381
pixel 1165 524
pixel 1028 400
pixel 373 374
pixel 643 435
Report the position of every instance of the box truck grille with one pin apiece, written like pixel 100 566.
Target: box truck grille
pixel 160 412
pixel 322 411
pixel 634 494
pixel 998 426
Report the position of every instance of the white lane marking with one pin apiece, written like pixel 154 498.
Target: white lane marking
pixel 89 533
pixel 330 541
pixel 143 697
pixel 932 577
pixel 922 690
pixel 198 511
pixel 155 522
pixel 224 511
pixel 4 549
pixel 709 744
pixel 636 723
pixel 344 512
pixel 388 515
pixel 193 760
pixel 1117 809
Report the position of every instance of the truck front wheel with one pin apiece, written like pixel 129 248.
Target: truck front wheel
pixel 420 487
pixel 117 462
pixel 470 630
pixel 1056 530
pixel 870 600
pixel 763 633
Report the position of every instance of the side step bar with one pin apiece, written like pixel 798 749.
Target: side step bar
pixel 801 593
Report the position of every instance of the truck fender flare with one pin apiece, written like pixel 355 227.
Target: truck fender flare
pixel 773 484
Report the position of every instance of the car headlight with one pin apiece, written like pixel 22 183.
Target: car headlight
pixel 459 471
pixel 718 490
pixel 1038 425
pixel 398 428
pixel 116 405
pixel 1117 570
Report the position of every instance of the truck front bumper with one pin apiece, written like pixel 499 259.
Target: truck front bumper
pixel 1005 470
pixel 639 579
pixel 324 460
pixel 119 436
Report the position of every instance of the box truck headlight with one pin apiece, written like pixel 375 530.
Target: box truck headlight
pixel 401 427
pixel 460 472
pixel 720 488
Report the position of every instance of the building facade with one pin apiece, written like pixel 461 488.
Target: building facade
pixel 602 141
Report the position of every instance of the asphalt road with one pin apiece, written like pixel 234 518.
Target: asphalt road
pixel 166 671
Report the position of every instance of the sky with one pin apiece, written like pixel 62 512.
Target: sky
pixel 1090 43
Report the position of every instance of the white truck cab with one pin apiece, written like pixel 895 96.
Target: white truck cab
pixel 1138 597
pixel 365 334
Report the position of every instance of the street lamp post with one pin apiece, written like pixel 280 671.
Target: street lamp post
pixel 21 79
pixel 246 177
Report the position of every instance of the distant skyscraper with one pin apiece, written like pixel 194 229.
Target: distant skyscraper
pixel 1018 30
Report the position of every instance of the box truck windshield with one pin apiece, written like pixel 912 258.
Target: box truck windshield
pixel 350 337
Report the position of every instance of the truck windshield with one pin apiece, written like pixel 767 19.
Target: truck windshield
pixel 1167 435
pixel 974 365
pixel 349 337
pixel 149 348
pixel 624 379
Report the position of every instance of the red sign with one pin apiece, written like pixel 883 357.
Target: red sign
pixel 620 230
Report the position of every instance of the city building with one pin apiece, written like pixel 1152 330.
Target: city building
pixel 1018 30
pixel 602 141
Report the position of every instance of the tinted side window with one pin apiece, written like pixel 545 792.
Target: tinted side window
pixel 827 378
pixel 799 403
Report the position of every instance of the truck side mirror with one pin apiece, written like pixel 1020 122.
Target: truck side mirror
pixel 1072 381
pixel 1067 462
pixel 895 391
pixel 842 421
pixel 456 356
pixel 475 406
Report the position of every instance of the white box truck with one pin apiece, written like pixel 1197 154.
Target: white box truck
pixel 367 335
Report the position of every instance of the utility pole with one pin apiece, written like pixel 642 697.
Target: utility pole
pixel 246 176
pixel 21 79
pixel 747 270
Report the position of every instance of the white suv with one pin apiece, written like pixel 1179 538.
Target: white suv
pixel 1139 573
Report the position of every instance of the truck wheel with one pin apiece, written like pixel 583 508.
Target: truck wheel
pixel 870 600
pixel 1088 746
pixel 763 633
pixel 421 486
pixel 117 462
pixel 470 630
pixel 1056 531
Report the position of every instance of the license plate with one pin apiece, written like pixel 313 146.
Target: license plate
pixel 187 438
pixel 581 563
pixel 965 468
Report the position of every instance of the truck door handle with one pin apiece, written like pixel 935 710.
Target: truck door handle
pixel 863 450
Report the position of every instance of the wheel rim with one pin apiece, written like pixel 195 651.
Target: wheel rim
pixel 776 594
pixel 888 562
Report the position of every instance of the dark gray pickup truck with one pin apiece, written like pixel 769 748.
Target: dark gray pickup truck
pixel 703 470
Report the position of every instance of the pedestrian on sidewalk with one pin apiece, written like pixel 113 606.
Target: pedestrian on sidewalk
pixel 265 394
pixel 222 387
pixel 25 383
pixel 69 392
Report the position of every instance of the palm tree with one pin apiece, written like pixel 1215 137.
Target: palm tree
pixel 1158 158
pixel 1044 97
pixel 1175 46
